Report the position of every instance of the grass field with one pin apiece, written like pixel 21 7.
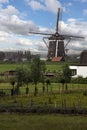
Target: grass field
pixel 13 66
pixel 9 121
pixel 42 122
pixel 5 67
pixel 74 96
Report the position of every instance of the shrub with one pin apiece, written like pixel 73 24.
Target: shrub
pixel 85 93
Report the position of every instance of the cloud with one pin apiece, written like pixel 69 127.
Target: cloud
pixel 36 5
pixel 50 5
pixel 23 42
pixel 75 27
pixel 13 24
pixel 4 1
pixel 10 10
pixel 14 30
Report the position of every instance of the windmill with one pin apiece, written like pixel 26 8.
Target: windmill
pixel 57 47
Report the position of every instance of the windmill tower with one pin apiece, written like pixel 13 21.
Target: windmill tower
pixel 57 45
pixel 56 49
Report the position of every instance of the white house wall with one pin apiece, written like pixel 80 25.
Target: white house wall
pixel 81 71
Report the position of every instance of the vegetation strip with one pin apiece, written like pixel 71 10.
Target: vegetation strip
pixel 45 110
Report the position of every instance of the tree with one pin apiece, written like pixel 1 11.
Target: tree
pixel 20 75
pixel 37 68
pixel 66 75
pixel 43 69
pixel 27 79
pixel 47 83
pixel 12 82
pixel 43 66
pixel 62 81
pixel 43 83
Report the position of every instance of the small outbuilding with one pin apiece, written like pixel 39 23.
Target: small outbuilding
pixel 79 70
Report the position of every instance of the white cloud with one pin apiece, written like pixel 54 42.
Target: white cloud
pixel 24 42
pixel 14 30
pixel 4 1
pixel 50 5
pixel 13 24
pixel 8 11
pixel 36 5
pixel 76 28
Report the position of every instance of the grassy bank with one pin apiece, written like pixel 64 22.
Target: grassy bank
pixel 42 122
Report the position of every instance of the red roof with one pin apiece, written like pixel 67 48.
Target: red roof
pixel 56 59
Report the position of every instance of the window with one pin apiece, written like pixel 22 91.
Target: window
pixel 74 72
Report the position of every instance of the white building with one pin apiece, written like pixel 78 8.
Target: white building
pixel 79 70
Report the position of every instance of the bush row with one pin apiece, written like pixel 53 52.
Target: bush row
pixel 43 110
pixel 55 79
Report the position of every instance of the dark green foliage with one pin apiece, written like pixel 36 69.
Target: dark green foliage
pixel 62 81
pixel 27 90
pixel 66 76
pixel 43 83
pixel 27 79
pixel 43 66
pixel 67 73
pixel 2 93
pixel 12 81
pixel 23 76
pixel 46 109
pixel 35 91
pixel 85 93
pixel 37 70
pixel 79 80
pixel 47 83
pixel 20 78
pixel 20 74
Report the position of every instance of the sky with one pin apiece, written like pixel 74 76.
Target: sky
pixel 18 17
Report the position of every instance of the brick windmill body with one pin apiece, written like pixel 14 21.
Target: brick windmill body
pixel 57 46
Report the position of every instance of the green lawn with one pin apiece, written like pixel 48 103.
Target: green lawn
pixel 42 122
pixel 54 66
pixel 5 67
pixel 13 66
pixel 74 96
